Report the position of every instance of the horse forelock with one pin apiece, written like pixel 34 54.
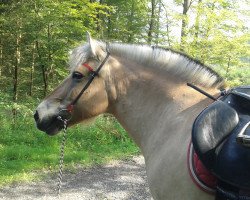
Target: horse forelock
pixel 78 56
pixel 176 63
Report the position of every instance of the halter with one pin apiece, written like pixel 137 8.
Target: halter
pixel 65 115
pixel 69 109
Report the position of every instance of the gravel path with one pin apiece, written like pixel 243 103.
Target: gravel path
pixel 115 181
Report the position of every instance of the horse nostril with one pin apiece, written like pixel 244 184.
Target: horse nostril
pixel 36 116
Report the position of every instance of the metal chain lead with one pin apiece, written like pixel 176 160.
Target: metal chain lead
pixel 61 157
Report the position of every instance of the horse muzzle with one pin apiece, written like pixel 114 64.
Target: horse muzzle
pixel 52 124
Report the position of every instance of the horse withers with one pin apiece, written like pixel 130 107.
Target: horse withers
pixel 145 89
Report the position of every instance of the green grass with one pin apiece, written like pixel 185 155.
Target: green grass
pixel 25 152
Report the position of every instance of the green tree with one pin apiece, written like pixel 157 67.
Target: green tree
pixel 217 36
pixel 36 36
pixel 127 21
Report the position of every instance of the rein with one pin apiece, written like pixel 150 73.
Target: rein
pixel 59 185
pixel 65 115
pixel 222 92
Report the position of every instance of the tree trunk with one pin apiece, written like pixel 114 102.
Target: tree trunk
pixel 158 24
pixel 98 21
pixel 16 66
pixel 168 24
pixel 186 6
pixel 197 22
pixel 45 80
pixel 109 28
pixel 1 56
pixel 204 51
pixel 228 66
pixel 16 70
pixel 152 21
pixel 43 68
pixel 50 53
pixel 40 60
pixel 130 23
pixel 32 70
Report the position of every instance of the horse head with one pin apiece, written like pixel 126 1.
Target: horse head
pixel 67 98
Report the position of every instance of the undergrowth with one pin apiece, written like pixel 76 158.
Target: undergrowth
pixel 25 152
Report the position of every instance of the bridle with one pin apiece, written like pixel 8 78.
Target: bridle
pixel 65 114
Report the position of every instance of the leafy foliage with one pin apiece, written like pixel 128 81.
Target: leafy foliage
pixel 36 36
pixel 219 38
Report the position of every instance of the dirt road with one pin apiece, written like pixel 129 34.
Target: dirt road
pixel 118 180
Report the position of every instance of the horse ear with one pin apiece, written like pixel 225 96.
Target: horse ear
pixel 92 44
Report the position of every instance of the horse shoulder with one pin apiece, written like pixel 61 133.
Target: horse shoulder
pixel 166 164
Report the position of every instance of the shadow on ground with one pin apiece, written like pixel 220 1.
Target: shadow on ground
pixel 117 180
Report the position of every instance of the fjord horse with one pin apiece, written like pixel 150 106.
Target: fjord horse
pixel 145 89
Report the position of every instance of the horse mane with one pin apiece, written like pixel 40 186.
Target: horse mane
pixel 174 62
pixel 171 61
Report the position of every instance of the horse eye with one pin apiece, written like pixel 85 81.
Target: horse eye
pixel 77 75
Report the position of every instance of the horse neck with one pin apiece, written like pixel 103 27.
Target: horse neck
pixel 143 99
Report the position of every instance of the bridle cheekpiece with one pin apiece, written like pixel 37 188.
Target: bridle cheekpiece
pixel 65 114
